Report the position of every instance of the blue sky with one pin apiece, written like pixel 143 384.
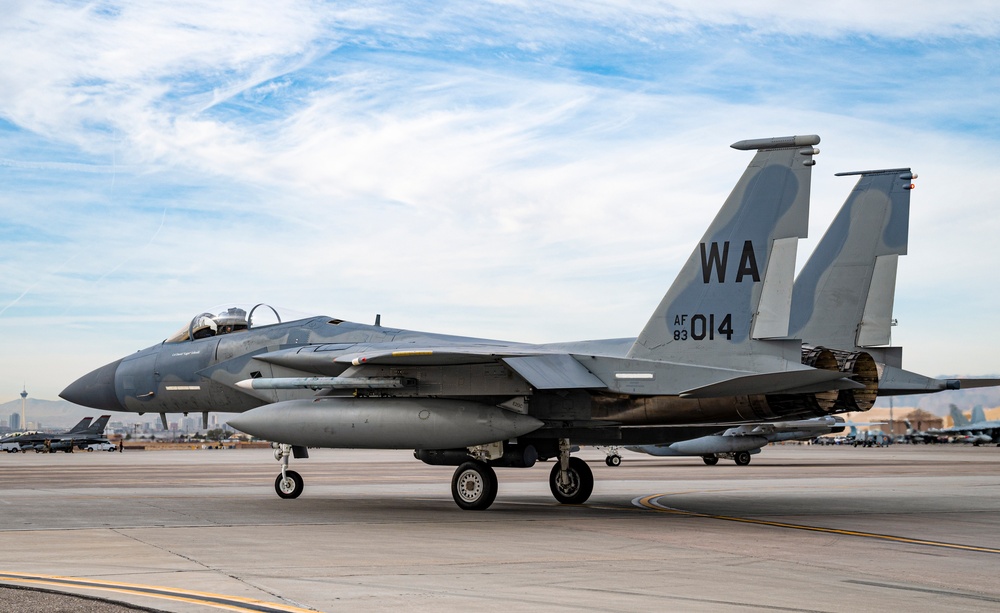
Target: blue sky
pixel 501 169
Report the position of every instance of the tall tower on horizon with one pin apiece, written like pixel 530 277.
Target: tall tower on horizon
pixel 24 398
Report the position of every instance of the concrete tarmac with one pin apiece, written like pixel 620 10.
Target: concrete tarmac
pixel 802 528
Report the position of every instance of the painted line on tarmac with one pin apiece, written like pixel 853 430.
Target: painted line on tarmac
pixel 218 601
pixel 651 502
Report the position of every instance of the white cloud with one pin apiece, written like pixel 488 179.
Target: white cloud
pixel 449 169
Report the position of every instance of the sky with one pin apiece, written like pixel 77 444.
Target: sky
pixel 527 171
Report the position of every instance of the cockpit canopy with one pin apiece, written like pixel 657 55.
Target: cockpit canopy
pixel 228 320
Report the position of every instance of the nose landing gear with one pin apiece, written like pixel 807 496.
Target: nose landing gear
pixel 289 483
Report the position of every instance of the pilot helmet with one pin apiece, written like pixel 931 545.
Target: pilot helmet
pixel 203 325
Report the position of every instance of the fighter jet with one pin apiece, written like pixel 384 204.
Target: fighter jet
pixel 975 431
pixel 80 435
pixel 915 436
pixel 12 442
pixel 716 352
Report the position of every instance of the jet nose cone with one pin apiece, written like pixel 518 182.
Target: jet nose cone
pixel 95 389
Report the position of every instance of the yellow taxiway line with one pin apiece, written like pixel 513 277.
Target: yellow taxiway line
pixel 650 502
pixel 218 601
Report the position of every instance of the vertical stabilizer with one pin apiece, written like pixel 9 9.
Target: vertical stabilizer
pixel 843 296
pixel 958 418
pixel 735 289
pixel 978 415
pixel 98 426
pixel 81 426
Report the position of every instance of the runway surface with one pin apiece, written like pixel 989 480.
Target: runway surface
pixel 800 529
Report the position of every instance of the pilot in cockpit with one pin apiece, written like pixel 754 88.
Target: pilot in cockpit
pixel 233 319
pixel 203 327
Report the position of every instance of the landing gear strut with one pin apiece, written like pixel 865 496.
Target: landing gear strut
pixel 614 458
pixel 289 483
pixel 571 480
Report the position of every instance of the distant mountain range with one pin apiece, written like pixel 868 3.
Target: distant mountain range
pixel 61 414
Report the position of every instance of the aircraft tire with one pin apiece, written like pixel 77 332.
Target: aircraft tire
pixel 742 458
pixel 474 486
pixel 289 487
pixel 613 460
pixel 581 483
pixel 711 460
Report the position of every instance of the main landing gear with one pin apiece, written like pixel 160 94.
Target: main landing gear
pixel 571 480
pixel 614 458
pixel 742 458
pixel 474 484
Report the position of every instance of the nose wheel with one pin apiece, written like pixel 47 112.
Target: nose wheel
pixel 289 483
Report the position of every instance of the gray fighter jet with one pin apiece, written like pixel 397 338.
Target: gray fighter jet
pixel 12 442
pixel 79 436
pixel 976 430
pixel 716 352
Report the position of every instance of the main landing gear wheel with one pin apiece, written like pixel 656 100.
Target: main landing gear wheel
pixel 578 485
pixel 711 460
pixel 613 460
pixel 474 486
pixel 742 458
pixel 289 485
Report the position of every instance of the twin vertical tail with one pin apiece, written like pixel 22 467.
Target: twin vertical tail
pixel 99 425
pixel 843 297
pixel 81 426
pixel 735 290
pixel 958 419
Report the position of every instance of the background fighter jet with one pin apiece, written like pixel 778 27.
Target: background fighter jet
pixel 716 352
pixel 80 435
pixel 976 430
pixel 12 443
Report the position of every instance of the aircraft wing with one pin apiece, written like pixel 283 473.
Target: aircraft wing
pixel 395 366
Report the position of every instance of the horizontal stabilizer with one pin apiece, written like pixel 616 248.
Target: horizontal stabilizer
pixel 968 384
pixel 795 381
